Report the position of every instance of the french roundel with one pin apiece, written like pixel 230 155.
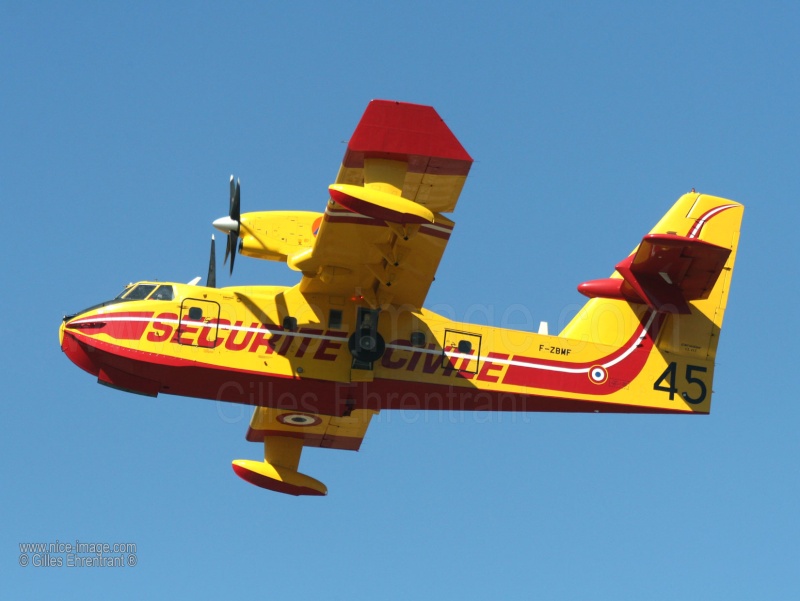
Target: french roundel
pixel 299 419
pixel 598 374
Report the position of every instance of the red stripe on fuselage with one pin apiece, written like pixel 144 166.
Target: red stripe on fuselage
pixel 123 325
pixel 623 365
pixel 196 379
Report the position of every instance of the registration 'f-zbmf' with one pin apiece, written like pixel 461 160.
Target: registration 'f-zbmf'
pixel 319 359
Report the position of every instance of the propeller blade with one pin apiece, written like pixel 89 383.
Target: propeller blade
pixel 211 280
pixel 232 245
pixel 235 196
pixel 230 225
pixel 235 215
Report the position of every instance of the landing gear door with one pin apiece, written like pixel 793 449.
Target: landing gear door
pixel 199 323
pixel 462 351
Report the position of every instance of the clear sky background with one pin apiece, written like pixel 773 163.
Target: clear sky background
pixel 119 126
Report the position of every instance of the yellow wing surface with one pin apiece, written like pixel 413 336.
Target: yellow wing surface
pixel 383 233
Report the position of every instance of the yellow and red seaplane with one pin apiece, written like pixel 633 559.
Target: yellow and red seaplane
pixel 317 360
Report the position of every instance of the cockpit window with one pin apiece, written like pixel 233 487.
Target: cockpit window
pixel 163 293
pixel 141 292
pixel 124 292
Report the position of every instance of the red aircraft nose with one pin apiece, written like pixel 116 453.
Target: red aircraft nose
pixel 77 352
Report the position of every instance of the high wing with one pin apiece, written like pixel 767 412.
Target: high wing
pixel 285 433
pixel 383 233
pixel 380 241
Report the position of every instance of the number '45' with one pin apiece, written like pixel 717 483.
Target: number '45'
pixel 666 382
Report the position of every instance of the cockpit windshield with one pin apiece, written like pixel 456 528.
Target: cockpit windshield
pixel 143 291
pixel 163 292
pixel 124 292
pixel 140 292
pixel 133 292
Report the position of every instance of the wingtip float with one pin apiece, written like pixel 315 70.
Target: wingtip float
pixel 317 360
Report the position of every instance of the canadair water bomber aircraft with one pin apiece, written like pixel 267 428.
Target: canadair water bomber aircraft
pixel 317 360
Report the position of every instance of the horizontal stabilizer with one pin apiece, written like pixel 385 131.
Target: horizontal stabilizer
pixel 665 273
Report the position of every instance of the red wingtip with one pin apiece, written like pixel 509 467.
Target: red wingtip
pixel 264 481
pixel 405 131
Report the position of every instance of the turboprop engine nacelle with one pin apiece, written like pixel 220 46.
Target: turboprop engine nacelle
pixel 277 235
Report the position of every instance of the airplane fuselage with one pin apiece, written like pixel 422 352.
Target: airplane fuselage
pixel 276 347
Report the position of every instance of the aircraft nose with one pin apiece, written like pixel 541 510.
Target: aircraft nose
pixel 74 350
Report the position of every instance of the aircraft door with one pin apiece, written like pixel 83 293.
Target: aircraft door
pixel 461 350
pixel 199 323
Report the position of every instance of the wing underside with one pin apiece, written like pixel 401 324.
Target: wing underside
pixel 285 433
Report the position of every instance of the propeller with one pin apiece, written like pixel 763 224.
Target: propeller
pixel 211 280
pixel 230 225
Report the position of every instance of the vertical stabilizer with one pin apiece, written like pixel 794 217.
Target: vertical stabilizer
pixel 681 272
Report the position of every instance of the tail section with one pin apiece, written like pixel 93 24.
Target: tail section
pixel 716 222
pixel 680 274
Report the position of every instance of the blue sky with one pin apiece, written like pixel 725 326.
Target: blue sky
pixel 120 125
